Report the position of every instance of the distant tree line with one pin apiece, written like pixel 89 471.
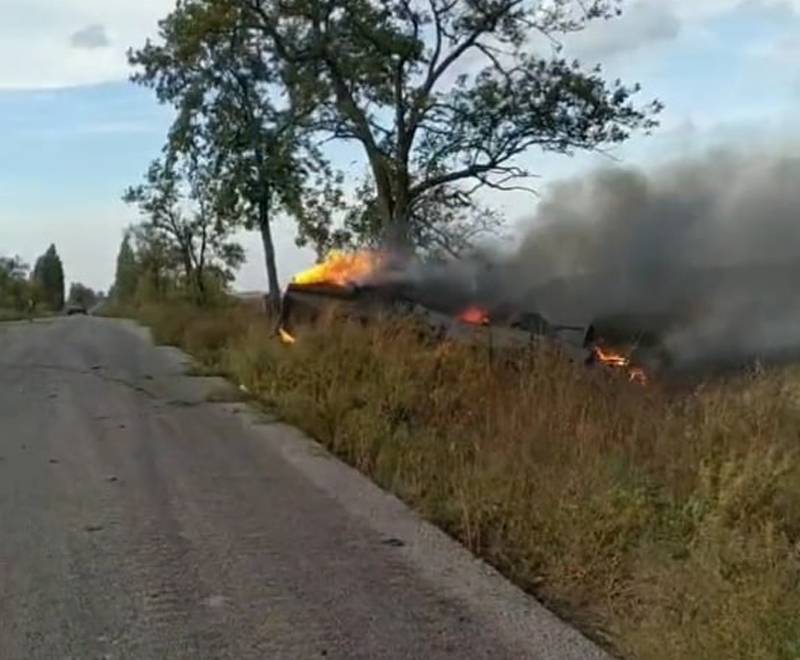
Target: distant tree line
pixel 22 289
pixel 42 288
pixel 442 97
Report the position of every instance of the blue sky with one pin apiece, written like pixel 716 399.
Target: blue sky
pixel 74 133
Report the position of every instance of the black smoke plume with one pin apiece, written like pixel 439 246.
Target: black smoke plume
pixel 704 255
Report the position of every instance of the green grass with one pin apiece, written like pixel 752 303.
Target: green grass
pixel 665 525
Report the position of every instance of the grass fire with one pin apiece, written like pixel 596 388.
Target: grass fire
pixel 619 360
pixel 346 281
pixel 285 337
pixel 475 315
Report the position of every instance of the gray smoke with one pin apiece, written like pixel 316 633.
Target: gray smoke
pixel 705 253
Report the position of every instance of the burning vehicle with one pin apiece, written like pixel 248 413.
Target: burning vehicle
pixel 682 272
pixel 366 286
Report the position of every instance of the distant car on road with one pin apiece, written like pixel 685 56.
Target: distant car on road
pixel 74 309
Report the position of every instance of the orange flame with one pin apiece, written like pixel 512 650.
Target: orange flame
pixel 611 358
pixel 474 316
pixel 342 268
pixel 637 375
pixel 618 360
pixel 286 338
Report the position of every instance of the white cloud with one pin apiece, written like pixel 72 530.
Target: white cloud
pixel 647 23
pixel 700 10
pixel 36 40
pixel 36 49
pixel 643 23
pixel 91 37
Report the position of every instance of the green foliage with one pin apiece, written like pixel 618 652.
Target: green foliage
pixel 82 295
pixel 445 223
pixel 444 97
pixel 395 91
pixel 16 291
pixel 213 72
pixel 125 281
pixel 185 237
pixel 48 277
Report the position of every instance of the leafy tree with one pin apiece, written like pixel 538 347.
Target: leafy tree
pixel 445 223
pixel 184 220
pixel 48 275
pixel 13 268
pixel 82 295
pixel 127 271
pixel 158 263
pixel 221 87
pixel 443 95
pixel 16 292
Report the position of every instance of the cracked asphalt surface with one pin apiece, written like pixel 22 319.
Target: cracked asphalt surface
pixel 138 520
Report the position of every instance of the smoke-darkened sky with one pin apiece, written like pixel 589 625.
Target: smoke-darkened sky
pixel 704 251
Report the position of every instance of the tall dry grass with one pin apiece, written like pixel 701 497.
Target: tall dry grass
pixel 666 525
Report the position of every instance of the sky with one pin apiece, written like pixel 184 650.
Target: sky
pixel 74 133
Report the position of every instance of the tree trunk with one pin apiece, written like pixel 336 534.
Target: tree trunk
pixel 269 257
pixel 188 268
pixel 200 284
pixel 200 263
pixel 392 189
pixel 396 236
pixel 397 232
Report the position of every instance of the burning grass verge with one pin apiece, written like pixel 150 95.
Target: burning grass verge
pixel 664 525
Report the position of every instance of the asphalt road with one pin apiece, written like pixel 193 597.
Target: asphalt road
pixel 139 520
